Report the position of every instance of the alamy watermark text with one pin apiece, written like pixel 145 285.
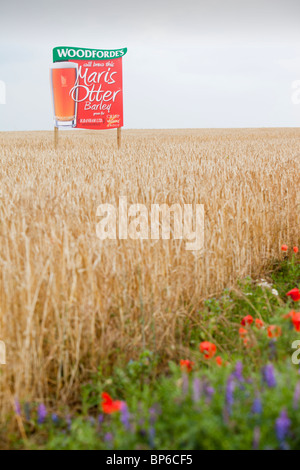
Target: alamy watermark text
pixel 179 222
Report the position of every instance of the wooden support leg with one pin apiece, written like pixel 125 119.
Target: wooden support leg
pixel 119 137
pixel 55 137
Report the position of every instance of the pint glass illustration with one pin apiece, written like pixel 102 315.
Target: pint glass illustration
pixel 63 76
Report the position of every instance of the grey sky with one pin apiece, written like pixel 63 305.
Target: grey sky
pixel 214 63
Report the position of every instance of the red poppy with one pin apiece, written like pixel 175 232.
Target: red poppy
pixel 284 248
pixel 244 336
pixel 294 294
pixel 109 405
pixel 247 320
pixel 243 332
pixel 296 320
pixel 289 315
pixel 219 361
pixel 208 349
pixel 186 365
pixel 295 249
pixel 259 323
pixel 274 331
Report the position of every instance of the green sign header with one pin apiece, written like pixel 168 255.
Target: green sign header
pixel 80 53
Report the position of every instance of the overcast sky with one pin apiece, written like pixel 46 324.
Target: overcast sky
pixel 190 63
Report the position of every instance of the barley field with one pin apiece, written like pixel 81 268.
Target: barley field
pixel 70 302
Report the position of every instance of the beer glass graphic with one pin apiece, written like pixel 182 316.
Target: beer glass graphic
pixel 63 76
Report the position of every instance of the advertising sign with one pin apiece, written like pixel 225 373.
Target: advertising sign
pixel 87 87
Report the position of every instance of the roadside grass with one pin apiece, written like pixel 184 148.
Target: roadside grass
pixel 250 399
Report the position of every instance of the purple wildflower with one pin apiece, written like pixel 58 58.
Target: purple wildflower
pixel 257 406
pixel 273 351
pixel 125 416
pixel 17 407
pixel 154 411
pixel 100 419
pixel 296 396
pixel 282 426
pixel 54 418
pixel 229 397
pixel 269 376
pixel 238 373
pixel 197 389
pixel 209 392
pixel 108 437
pixel 151 436
pixel 42 413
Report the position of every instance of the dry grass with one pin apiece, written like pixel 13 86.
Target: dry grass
pixel 69 301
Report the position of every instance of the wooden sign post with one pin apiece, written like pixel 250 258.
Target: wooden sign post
pixel 119 137
pixel 55 137
pixel 119 140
